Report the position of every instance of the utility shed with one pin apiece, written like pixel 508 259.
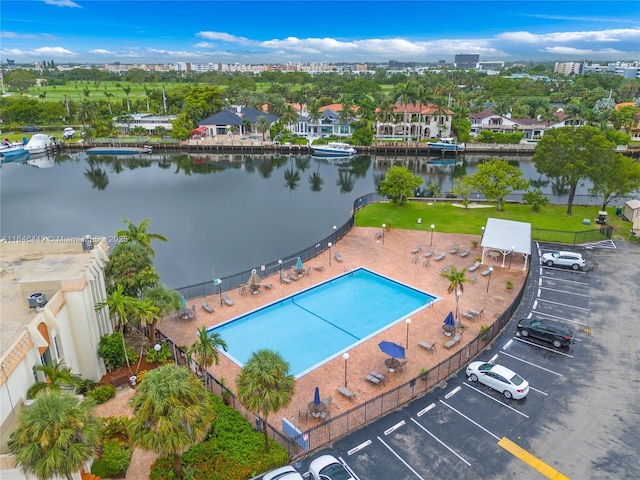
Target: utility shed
pixel 632 210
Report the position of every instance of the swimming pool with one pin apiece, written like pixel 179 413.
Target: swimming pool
pixel 315 325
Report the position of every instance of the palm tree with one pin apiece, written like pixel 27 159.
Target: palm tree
pixel 127 91
pixel 87 113
pixel 58 375
pixel 457 279
pixel 121 306
pixel 165 300
pixel 149 314
pixel 109 95
pixel 289 115
pixel 265 385
pixel 172 412
pixel 55 436
pixel 405 94
pixel 205 349
pixel 139 234
pixel 263 125
pixel 277 105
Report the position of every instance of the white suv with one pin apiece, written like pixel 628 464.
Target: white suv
pixel 564 259
pixel 68 133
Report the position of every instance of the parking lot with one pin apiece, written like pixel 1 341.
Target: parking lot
pixel 581 416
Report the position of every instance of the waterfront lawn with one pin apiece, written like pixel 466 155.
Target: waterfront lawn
pixel 448 218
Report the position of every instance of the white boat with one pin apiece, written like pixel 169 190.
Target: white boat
pixel 40 143
pixel 333 149
pixel 447 145
pixel 10 151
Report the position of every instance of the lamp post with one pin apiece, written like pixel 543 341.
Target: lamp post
pixel 489 279
pixel 482 236
pixel 511 256
pixel 432 227
pixel 408 320
pixel 345 355
pixel 334 234
pixel 330 245
pixel 157 347
pixel 280 265
pixel 384 225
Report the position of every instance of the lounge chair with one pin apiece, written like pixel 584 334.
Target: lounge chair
pixel 347 393
pixel 469 315
pixel 465 252
pixel 417 249
pixel 429 253
pixel 427 262
pixel 476 313
pixel 372 379
pixel 379 376
pixel 318 268
pixel 440 256
pixel 284 279
pixel 293 275
pixel 474 267
pixel 268 286
pixel 451 343
pixel 401 366
pixel 485 272
pixel 206 307
pixel 428 346
pixel 227 300
pixel 473 278
pixel 446 269
pixel 454 250
pixel 337 256
pixel 415 259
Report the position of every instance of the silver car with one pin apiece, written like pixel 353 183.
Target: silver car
pixel 564 259
pixel 500 378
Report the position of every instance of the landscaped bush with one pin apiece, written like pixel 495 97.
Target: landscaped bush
pixel 115 427
pixel 114 461
pixel 232 451
pixel 112 351
pixel 102 393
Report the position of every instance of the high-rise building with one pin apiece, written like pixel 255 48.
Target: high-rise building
pixel 467 60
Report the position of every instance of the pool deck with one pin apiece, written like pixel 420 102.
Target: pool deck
pixel 359 247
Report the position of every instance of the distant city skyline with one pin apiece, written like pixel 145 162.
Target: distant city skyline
pixel 234 31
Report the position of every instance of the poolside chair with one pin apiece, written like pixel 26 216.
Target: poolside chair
pixel 324 415
pixel 415 259
pixel 400 367
pixel 452 343
pixel 474 267
pixel 243 289
pixel 440 256
pixel 268 286
pixel 227 300
pixel 284 279
pixel 465 252
pixel 417 249
pixel 427 262
pixel 455 249
pixel 337 256
pixel 473 278
pixel 347 393
pixel 318 268
pixel 485 272
pixel 468 315
pixel 293 275
pixel 379 376
pixel 428 346
pixel 446 269
pixel 303 415
pixel 327 401
pixel 429 253
pixel 370 378
pixel 476 313
pixel 206 307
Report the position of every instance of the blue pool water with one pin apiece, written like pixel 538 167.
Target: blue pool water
pixel 320 323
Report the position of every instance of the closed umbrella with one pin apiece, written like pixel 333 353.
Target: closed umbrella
pixel 299 266
pixel 316 396
pixel 392 349
pixel 449 324
pixel 183 302
pixel 254 281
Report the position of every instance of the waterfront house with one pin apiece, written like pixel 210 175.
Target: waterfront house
pixel 237 119
pixel 423 121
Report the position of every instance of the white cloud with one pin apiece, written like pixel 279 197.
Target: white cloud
pixel 57 51
pixel 613 35
pixel 204 45
pixel 62 3
pixel 581 51
pixel 28 36
pixel 227 38
pixel 101 51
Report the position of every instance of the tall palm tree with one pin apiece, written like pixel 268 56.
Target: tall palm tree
pixel 277 105
pixel 405 94
pixel 87 113
pixel 263 125
pixel 265 385
pixel 55 436
pixel 457 279
pixel 205 349
pixel 138 234
pixel 165 300
pixel 148 313
pixel 172 412
pixel 127 91
pixel 109 95
pixel 120 306
pixel 58 375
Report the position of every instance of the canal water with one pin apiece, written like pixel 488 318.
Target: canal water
pixel 222 213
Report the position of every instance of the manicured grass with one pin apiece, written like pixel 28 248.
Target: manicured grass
pixel 450 219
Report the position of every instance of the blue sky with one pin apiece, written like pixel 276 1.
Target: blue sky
pixel 201 31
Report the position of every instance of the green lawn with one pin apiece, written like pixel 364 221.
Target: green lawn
pixel 75 90
pixel 450 219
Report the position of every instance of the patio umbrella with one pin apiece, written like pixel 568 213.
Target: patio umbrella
pixel 299 266
pixel 392 349
pixel 449 324
pixel 183 302
pixel 316 397
pixel 254 281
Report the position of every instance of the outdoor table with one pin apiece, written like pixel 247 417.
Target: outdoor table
pixel 493 255
pixel 392 364
pixel 316 409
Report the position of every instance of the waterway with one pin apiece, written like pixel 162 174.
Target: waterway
pixel 222 213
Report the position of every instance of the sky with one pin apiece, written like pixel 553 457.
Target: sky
pixel 330 31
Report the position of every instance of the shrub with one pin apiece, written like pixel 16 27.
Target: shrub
pixel 102 393
pixel 115 427
pixel 114 461
pixel 111 350
pixel 161 356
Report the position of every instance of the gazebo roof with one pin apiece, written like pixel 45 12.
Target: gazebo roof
pixel 507 235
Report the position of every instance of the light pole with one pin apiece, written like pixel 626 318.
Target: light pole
pixel 157 347
pixel 384 225
pixel 280 265
pixel 330 245
pixel 511 256
pixel 432 227
pixel 334 234
pixel 345 355
pixel 489 279
pixel 482 236
pixel 408 320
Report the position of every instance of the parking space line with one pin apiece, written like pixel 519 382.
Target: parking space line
pixel 539 391
pixel 563 280
pixel 357 448
pixel 558 269
pixel 401 459
pixel 442 443
pixel 563 291
pixel 531 460
pixel 542 347
pixel 559 318
pixel 530 363
pixel 349 469
pixel 562 304
pixel 497 401
pixel 467 418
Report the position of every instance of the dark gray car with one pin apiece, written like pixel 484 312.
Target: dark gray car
pixel 553 332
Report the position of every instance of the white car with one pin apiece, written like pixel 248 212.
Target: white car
pixel 500 378
pixel 68 133
pixel 564 259
pixel 283 473
pixel 328 467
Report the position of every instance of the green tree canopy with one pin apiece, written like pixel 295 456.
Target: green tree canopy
pixel 399 183
pixel 614 176
pixel 131 268
pixel 496 179
pixel 172 412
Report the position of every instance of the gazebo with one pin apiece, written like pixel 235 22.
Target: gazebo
pixel 508 238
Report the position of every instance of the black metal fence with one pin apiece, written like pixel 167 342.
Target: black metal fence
pixel 562 236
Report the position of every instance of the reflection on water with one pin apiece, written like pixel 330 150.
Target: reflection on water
pixel 221 212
